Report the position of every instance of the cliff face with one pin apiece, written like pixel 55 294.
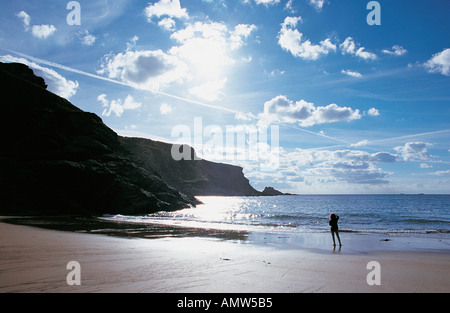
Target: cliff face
pixel 57 159
pixel 196 177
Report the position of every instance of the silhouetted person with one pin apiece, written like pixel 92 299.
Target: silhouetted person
pixel 334 228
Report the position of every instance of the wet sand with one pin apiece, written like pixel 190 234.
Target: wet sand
pixel 34 260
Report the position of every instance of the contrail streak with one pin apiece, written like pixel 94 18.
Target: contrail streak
pixel 73 70
pixel 411 136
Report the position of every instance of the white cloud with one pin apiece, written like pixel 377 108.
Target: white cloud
pixel 351 73
pixel 241 32
pixel 215 33
pixel 167 23
pixel 289 7
pixel 414 151
pixel 144 69
pixel 165 109
pixel 396 50
pixel 43 31
pixel 326 166
pixel 373 112
pixel 244 116
pixel 56 83
pixel 25 18
pixel 442 173
pixel 130 104
pixel 267 2
pixel 210 30
pixel 170 8
pixel 331 113
pixel 117 106
pixel 290 39
pixel 283 110
pixel 131 45
pixel 318 170
pixel 38 31
pixel 350 47
pixel 361 143
pixel 439 63
pixel 86 38
pixel 317 4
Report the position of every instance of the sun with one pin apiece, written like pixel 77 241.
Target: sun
pixel 206 57
pixel 206 49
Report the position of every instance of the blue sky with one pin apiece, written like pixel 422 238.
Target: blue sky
pixel 304 94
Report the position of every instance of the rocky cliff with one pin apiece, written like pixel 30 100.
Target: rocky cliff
pixel 196 177
pixel 58 159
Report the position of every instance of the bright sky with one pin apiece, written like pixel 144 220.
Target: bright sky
pixel 304 94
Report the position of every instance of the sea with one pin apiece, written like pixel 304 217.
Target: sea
pixel 404 215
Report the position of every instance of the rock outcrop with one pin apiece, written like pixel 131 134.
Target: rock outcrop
pixel 270 191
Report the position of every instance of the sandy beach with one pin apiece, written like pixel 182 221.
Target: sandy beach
pixel 35 260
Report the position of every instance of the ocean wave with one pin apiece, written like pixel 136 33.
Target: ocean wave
pixel 396 231
pixel 262 226
pixel 425 221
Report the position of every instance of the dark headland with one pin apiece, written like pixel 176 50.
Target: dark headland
pixel 57 160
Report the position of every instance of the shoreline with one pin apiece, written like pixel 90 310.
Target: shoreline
pixel 320 242
pixel 34 260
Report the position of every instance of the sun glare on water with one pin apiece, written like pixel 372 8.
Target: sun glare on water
pixel 227 213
